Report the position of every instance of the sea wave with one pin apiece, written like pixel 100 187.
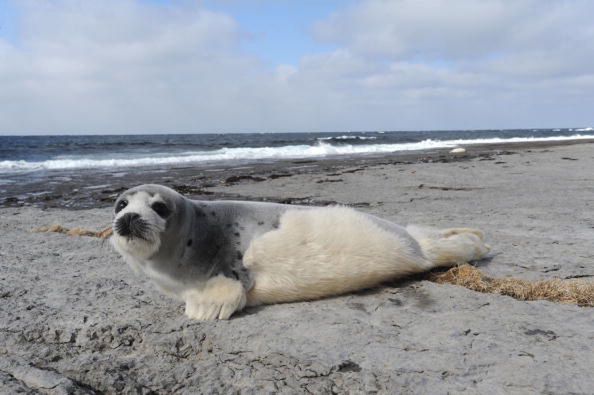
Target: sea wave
pixel 320 150
pixel 346 138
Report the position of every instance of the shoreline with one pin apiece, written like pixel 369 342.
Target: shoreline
pixel 88 188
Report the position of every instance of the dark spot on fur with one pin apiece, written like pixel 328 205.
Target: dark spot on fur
pixel 189 243
pixel 236 234
pixel 260 223
pixel 239 255
pixel 228 225
pixel 214 214
pixel 235 274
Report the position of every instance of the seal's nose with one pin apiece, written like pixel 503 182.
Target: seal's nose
pixel 125 223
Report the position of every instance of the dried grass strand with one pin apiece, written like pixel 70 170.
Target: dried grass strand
pixel 102 234
pixel 570 291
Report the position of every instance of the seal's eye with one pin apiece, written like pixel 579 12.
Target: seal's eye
pixel 161 209
pixel 120 206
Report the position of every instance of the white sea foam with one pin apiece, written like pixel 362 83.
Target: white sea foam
pixel 320 150
pixel 346 137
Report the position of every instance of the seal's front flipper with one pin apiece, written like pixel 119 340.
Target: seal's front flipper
pixel 219 298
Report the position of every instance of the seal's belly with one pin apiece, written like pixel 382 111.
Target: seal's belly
pixel 326 251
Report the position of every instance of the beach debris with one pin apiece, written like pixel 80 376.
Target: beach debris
pixel 458 150
pixel 569 291
pixel 190 190
pixel 236 179
pixel 351 171
pixel 421 186
pixel 102 234
pixel 274 176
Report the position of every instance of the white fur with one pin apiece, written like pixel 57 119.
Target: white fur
pixel 450 247
pixel 329 251
pixel 314 253
pixel 136 252
pixel 218 298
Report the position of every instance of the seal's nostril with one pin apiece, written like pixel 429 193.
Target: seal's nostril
pixel 131 217
pixel 125 222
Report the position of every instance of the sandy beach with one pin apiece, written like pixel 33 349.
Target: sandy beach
pixel 75 319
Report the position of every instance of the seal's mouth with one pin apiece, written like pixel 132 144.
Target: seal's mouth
pixel 132 226
pixel 135 236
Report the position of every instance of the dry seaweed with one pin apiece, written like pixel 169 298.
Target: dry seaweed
pixel 102 234
pixel 571 291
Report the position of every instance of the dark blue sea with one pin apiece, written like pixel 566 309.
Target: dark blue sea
pixel 41 153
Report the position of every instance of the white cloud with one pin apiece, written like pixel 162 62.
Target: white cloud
pixel 122 65
pixel 460 29
pixel 126 65
pixel 490 63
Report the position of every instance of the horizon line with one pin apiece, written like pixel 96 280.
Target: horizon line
pixel 163 133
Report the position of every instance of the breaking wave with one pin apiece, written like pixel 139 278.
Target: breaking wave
pixel 346 138
pixel 320 150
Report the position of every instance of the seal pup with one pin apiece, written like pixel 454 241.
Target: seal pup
pixel 219 256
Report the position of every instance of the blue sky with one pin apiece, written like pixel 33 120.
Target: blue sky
pixel 8 21
pixel 276 31
pixel 117 66
pixel 279 31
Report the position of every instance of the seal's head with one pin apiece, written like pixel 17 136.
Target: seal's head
pixel 141 217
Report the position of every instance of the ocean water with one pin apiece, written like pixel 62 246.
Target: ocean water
pixel 30 154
